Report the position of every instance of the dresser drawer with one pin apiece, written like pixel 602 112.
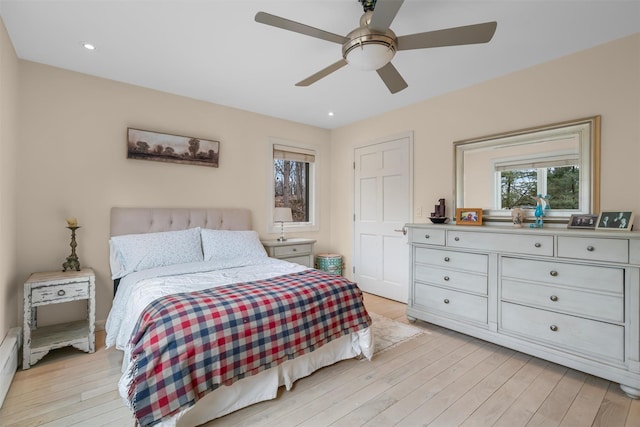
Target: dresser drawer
pixel 598 306
pixel 574 334
pixel 531 244
pixel 59 293
pixel 281 251
pixel 428 236
pixel 605 279
pixel 452 259
pixel 454 304
pixel 454 279
pixel 596 249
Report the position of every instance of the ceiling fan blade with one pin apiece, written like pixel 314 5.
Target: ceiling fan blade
pixel 287 24
pixel 322 73
pixel 469 34
pixel 392 78
pixel 384 13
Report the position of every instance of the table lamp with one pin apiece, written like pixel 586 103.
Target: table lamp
pixel 282 215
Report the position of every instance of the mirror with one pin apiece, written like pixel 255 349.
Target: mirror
pixel 499 172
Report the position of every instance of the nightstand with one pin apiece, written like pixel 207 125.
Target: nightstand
pixel 299 251
pixel 58 287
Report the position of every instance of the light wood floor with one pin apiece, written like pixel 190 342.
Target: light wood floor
pixel 441 378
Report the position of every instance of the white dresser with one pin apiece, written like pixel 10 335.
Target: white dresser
pixel 564 295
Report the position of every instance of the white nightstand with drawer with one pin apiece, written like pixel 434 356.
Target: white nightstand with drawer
pixel 58 287
pixel 299 251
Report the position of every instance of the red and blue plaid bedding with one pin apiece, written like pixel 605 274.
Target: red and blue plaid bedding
pixel 188 344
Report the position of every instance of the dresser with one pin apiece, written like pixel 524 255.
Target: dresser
pixel 57 287
pixel 565 295
pixel 299 251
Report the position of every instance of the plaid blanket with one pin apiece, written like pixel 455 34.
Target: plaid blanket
pixel 188 344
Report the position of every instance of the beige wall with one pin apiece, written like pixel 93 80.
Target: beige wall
pixel 72 160
pixel 604 81
pixel 71 156
pixel 9 288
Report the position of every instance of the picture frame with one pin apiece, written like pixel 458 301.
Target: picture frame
pixel 584 221
pixel 469 216
pixel 165 147
pixel 615 221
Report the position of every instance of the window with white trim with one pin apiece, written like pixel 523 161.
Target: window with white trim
pixel 293 167
pixel 519 181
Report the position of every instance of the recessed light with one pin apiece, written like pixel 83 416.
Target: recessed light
pixel 88 46
pixel 330 113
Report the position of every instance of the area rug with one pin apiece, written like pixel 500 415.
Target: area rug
pixel 388 333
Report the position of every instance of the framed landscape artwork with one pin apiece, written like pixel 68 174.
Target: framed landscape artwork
pixel 164 147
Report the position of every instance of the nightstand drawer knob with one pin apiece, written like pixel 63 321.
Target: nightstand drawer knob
pixel 294 249
pixel 447 259
pixel 553 298
pixel 537 245
pixel 446 301
pixel 61 293
pixel 590 248
pixel 554 328
pixel 553 273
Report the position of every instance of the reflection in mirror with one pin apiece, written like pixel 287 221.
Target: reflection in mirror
pixel 504 171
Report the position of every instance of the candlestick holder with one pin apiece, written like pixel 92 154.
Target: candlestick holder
pixel 72 262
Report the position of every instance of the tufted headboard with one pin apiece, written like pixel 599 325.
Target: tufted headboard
pixel 152 220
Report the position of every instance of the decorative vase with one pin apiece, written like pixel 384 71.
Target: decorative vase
pixel 517 216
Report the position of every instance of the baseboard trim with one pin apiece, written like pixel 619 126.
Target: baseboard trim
pixel 9 357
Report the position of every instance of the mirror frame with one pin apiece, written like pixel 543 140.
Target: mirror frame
pixel 588 131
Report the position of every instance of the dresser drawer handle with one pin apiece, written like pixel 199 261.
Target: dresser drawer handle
pixel 446 259
pixel 426 236
pixel 294 250
pixel 554 328
pixel 537 245
pixel 457 239
pixel 590 248
pixel 553 273
pixel 553 298
pixel 446 278
pixel 446 301
pixel 61 292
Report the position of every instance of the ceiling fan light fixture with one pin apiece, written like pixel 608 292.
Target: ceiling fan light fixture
pixel 369 51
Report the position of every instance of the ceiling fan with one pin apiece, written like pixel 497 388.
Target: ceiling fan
pixel 372 45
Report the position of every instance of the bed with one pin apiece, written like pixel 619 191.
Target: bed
pixel 208 324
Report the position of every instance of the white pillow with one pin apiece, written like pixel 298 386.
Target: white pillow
pixel 227 244
pixel 136 252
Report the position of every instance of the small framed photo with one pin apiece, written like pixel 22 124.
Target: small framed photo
pixel 615 220
pixel 469 216
pixel 582 221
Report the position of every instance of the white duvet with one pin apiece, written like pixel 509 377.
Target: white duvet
pixel 139 289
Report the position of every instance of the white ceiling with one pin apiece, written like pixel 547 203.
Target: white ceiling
pixel 214 50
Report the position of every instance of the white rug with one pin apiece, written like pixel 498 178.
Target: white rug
pixel 388 333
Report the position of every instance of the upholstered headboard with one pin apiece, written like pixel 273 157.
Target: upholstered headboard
pixel 152 220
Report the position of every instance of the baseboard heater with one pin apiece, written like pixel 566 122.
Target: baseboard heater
pixel 9 357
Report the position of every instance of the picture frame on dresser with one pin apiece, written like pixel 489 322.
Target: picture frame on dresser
pixel 615 221
pixel 583 221
pixel 469 216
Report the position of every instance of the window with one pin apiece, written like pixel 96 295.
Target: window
pixel 293 183
pixel 557 176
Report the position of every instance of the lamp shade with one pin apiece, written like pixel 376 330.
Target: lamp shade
pixel 282 215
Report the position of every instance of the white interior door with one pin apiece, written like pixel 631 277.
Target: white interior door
pixel 383 205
